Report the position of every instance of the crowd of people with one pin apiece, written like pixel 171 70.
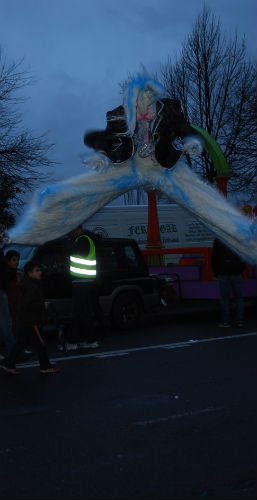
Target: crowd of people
pixel 24 311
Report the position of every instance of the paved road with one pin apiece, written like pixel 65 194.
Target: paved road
pixel 165 412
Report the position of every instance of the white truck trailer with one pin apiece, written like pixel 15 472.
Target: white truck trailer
pixel 178 228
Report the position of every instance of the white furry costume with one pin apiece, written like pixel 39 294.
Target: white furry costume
pixel 60 207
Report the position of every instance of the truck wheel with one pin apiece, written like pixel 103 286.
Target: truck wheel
pixel 126 310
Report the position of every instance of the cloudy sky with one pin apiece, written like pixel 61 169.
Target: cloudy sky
pixel 78 52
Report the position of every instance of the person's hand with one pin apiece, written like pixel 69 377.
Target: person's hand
pixel 99 162
pixel 193 145
pixel 47 305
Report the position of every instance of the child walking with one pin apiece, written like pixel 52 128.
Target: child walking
pixel 32 315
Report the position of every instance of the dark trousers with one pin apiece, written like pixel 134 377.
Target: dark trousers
pixel 82 312
pixel 15 323
pixel 33 336
pixel 226 284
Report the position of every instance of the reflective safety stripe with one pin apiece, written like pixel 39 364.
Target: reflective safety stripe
pixel 85 272
pixel 84 267
pixel 86 262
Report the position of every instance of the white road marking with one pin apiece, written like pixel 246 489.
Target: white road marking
pixel 178 415
pixel 124 352
pixel 110 354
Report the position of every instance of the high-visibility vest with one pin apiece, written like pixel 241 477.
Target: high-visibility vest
pixel 81 266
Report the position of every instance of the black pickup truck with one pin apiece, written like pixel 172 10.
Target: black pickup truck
pixel 124 288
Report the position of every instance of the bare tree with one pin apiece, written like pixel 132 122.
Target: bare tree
pixel 22 155
pixel 215 82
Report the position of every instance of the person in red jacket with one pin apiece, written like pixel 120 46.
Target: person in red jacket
pixel 14 276
pixel 6 335
pixel 32 316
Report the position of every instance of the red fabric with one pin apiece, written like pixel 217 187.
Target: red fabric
pixel 13 295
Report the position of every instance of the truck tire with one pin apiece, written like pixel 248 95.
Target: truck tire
pixel 126 311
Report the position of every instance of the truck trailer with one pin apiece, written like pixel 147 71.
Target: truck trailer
pixel 186 247
pixel 178 228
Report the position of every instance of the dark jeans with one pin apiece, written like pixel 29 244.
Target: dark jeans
pixel 15 323
pixel 33 335
pixel 226 284
pixel 82 312
pixel 5 322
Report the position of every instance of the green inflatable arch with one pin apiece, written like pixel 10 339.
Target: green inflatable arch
pixel 214 151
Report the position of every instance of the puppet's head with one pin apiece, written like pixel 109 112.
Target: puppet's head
pixel 140 96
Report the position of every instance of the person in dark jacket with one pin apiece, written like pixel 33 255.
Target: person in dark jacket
pixel 83 272
pixel 228 269
pixel 32 316
pixel 13 292
pixel 6 334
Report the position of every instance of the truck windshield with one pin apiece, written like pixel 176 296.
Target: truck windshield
pixel 114 257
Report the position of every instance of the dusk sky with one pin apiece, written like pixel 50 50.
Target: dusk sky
pixel 78 51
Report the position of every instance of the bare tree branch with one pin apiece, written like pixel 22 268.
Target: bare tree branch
pixel 216 85
pixel 23 156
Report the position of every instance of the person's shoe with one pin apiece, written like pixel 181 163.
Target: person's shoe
pixel 239 323
pixel 1 356
pixel 51 369
pixel 224 325
pixel 71 347
pixel 86 344
pixel 10 371
pixel 60 347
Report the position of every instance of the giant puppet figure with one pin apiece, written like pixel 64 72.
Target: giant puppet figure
pixel 136 149
pixel 145 125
